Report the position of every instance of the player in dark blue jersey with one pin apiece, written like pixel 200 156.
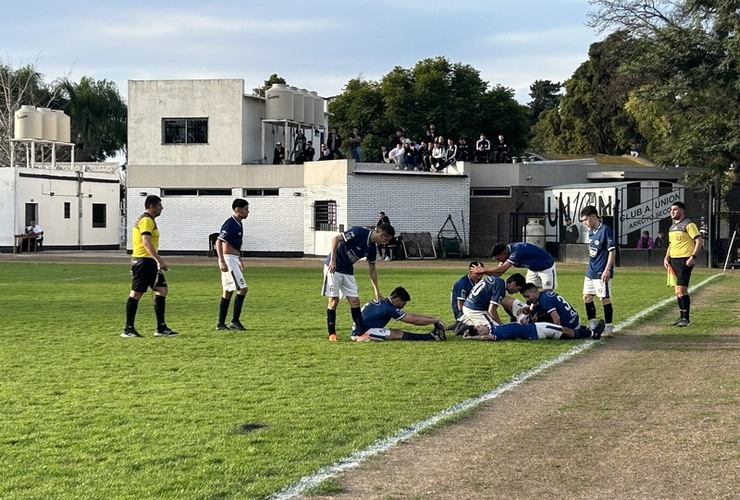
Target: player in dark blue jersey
pixel 531 331
pixel 539 264
pixel 557 310
pixel 598 281
pixel 229 250
pixel 481 305
pixel 377 314
pixel 462 287
pixel 339 280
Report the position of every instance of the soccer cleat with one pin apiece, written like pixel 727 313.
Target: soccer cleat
pixel 222 326
pixel 608 332
pixel 675 323
pixel 130 333
pixel 439 334
pixel 236 325
pixel 598 330
pixel 365 337
pixel 683 323
pixel 332 337
pixel 164 331
pixel 387 259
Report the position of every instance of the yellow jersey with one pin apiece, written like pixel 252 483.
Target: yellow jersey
pixel 681 238
pixel 144 225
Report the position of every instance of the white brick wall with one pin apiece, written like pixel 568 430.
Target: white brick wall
pixel 275 223
pixel 413 203
pixel 284 223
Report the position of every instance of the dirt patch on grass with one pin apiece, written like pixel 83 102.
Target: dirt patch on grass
pixel 639 417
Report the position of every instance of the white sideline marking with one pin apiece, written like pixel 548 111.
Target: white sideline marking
pixel 383 445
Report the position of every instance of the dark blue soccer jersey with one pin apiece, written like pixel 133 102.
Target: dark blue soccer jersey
pixel 529 256
pixel 377 314
pixel 355 246
pixel 232 233
pixel 460 290
pixel 551 301
pixel 490 289
pixel 600 243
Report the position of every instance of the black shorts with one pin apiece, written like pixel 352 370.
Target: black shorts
pixel 683 272
pixel 145 274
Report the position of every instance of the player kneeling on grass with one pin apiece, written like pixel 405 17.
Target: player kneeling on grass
pixel 551 307
pixel 481 305
pixel 377 314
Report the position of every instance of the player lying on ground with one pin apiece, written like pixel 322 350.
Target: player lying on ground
pixel 551 306
pixel 377 314
pixel 530 331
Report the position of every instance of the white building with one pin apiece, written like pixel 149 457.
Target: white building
pixel 78 206
pixel 198 144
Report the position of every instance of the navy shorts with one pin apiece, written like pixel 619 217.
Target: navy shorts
pixel 145 275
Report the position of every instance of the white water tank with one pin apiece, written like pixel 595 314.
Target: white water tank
pixel 48 124
pixel 63 126
pixel 298 110
pixel 28 123
pixel 534 232
pixel 279 104
pixel 307 106
pixel 318 109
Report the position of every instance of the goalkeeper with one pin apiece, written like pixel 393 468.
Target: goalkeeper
pixel 377 314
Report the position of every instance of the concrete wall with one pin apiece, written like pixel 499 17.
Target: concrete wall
pixel 221 101
pixel 50 190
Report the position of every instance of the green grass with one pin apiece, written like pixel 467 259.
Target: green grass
pixel 86 414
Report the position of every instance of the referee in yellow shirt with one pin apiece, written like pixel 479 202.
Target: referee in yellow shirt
pixel 684 245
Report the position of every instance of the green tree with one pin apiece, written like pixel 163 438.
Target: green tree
pixel 545 96
pixel 452 96
pixel 18 87
pixel 98 116
pixel 592 118
pixel 689 105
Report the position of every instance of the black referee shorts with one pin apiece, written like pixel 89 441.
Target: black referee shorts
pixel 145 274
pixel 683 272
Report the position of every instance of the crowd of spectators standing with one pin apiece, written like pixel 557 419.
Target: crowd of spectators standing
pixel 430 153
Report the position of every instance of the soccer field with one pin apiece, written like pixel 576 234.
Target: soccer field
pixel 227 414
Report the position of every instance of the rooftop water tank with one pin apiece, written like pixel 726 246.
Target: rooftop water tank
pixel 298 110
pixel 28 123
pixel 318 109
pixel 63 126
pixel 48 124
pixel 279 104
pixel 307 106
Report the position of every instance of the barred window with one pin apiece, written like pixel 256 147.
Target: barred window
pixel 184 130
pixel 325 215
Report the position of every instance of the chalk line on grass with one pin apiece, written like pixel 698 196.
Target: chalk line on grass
pixel 383 445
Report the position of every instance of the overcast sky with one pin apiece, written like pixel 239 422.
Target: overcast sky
pixel 317 45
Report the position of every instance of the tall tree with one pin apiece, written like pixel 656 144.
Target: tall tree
pixel 450 95
pixel 545 96
pixel 689 105
pixel 22 86
pixel 98 116
pixel 592 118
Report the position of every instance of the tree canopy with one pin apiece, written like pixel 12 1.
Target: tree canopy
pixel 95 107
pixel 666 82
pixel 452 96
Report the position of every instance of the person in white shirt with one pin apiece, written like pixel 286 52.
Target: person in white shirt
pixel 34 228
